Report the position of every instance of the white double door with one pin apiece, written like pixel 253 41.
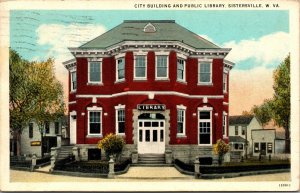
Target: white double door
pixel 151 136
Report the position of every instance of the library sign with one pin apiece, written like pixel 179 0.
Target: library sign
pixel 150 107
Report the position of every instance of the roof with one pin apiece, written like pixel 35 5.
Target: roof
pixel 237 139
pixel 164 30
pixel 240 120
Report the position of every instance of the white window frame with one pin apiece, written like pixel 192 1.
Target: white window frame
pixel 101 70
pixel 200 62
pixel 146 66
pixel 242 129
pixel 164 54
pixel 184 70
pixel 119 57
pixel 182 108
pixel 224 126
pixel 200 109
pixel 117 108
pixel 72 84
pixel 225 84
pixel 95 109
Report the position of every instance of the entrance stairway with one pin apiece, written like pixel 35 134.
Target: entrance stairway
pixel 152 160
pixel 64 152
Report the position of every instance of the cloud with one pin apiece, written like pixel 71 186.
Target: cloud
pixel 249 88
pixel 57 38
pixel 266 51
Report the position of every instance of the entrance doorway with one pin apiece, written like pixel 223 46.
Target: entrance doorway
pixel 151 133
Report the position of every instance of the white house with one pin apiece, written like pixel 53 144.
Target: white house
pixel 240 128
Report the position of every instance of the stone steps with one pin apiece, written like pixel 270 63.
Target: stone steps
pixel 64 152
pixel 152 160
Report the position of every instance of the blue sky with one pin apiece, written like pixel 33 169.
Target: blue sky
pixel 259 39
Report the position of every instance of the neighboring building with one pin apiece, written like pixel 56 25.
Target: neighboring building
pixel 240 128
pixel 31 138
pixel 155 83
pixel 263 141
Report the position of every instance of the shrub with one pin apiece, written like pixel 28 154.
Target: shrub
pixel 220 149
pixel 112 145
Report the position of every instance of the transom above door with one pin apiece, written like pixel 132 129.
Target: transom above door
pixel 151 136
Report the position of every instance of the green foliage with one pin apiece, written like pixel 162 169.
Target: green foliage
pixel 34 93
pixel 264 111
pixel 220 149
pixel 112 144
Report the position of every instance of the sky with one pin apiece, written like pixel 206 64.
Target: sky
pixel 259 41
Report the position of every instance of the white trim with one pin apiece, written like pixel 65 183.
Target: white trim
pixel 200 61
pixel 117 108
pixel 72 102
pixel 183 108
pixel 94 109
pixel 101 74
pixel 73 113
pixel 205 120
pixel 120 55
pixel 155 93
pixel 117 69
pixel 225 103
pixel 180 55
pixel 134 63
pixel 165 54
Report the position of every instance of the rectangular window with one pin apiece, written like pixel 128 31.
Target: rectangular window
pixel 204 72
pixel 120 69
pixel 95 72
pixel 270 147
pixel 47 127
pixel 224 128
pixel 30 126
pixel 147 135
pixel 73 81
pixel 256 147
pixel 180 70
pixel 204 127
pixel 56 127
pixel 161 135
pixel 140 67
pixel 154 135
pixel 95 122
pixel 180 121
pixel 140 135
pixel 244 130
pixel 121 121
pixel 225 82
pixel 161 66
pixel 241 146
pixel 236 130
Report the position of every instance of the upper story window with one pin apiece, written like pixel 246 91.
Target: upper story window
pixel 236 130
pixel 225 82
pixel 95 74
pixel 161 67
pixel 205 73
pixel 120 69
pixel 224 128
pixel 244 130
pixel 181 69
pixel 140 67
pixel 47 127
pixel 120 119
pixel 205 126
pixel 73 81
pixel 56 127
pixel 30 126
pixel 94 121
pixel 181 120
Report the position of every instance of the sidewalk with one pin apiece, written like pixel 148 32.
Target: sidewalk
pixel 43 169
pixel 153 173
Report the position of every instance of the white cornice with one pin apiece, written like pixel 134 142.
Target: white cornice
pixel 150 45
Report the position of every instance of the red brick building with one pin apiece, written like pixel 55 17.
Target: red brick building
pixel 157 84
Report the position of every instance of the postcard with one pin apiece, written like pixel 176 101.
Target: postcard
pixel 149 95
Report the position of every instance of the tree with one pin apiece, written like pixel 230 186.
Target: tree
pixel 34 94
pixel 220 149
pixel 49 104
pixel 112 145
pixel 281 105
pixel 264 111
pixel 278 108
